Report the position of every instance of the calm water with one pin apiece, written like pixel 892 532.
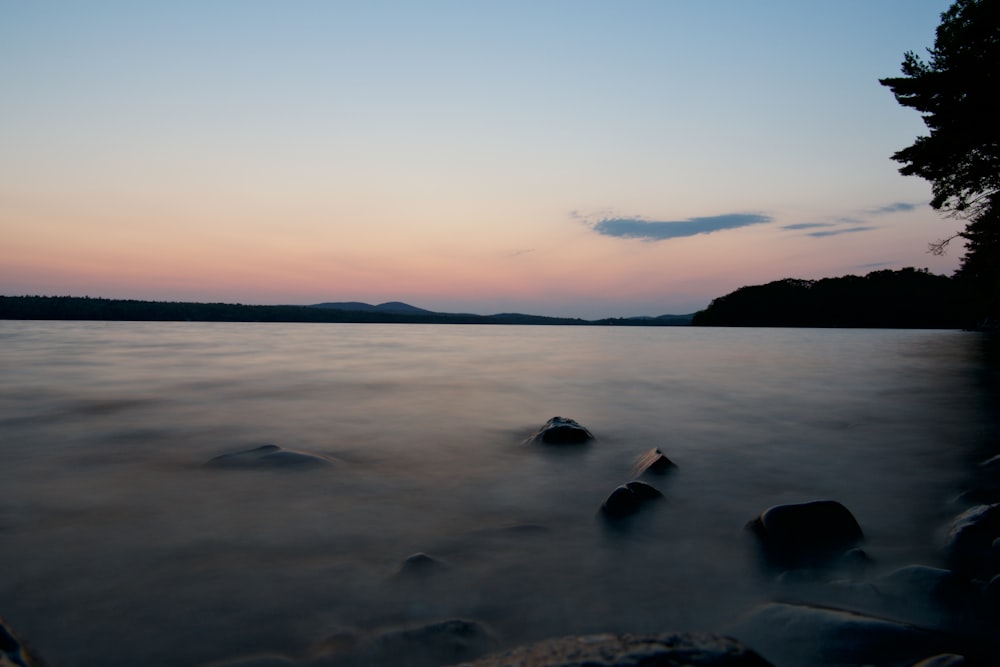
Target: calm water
pixel 119 548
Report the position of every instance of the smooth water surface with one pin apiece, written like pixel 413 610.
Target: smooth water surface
pixel 120 548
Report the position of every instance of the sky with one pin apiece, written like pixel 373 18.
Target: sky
pixel 554 157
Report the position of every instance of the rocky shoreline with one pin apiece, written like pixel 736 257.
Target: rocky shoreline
pixel 825 606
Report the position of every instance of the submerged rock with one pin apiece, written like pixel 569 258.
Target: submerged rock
pixel 806 534
pixel 421 565
pixel 969 545
pixel 268 456
pixel 922 585
pixel 653 462
pixel 609 650
pixel 629 499
pixel 802 635
pixel 562 431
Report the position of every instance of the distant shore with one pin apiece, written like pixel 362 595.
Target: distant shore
pixel 100 309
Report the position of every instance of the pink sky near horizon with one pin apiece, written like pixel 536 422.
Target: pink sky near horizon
pixel 250 157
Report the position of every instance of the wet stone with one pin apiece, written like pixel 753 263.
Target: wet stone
pixel 806 534
pixel 562 431
pixel 268 457
pixel 653 462
pixel 969 545
pixel 420 565
pixel 628 499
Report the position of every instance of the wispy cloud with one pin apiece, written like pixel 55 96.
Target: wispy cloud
pixel 842 230
pixel 895 207
pixel 808 225
pixel 662 230
pixel 850 223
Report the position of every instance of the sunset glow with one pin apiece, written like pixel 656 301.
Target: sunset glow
pixel 580 159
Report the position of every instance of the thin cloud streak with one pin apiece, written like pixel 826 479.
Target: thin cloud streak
pixel 807 225
pixel 895 207
pixel 843 230
pixel 858 222
pixel 662 230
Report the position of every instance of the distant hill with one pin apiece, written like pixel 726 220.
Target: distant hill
pixel 396 307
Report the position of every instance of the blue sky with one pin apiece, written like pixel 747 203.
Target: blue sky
pixel 566 158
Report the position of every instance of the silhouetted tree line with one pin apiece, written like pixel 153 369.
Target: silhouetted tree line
pixel 908 298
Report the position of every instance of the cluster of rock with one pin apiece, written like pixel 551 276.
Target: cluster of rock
pixel 915 616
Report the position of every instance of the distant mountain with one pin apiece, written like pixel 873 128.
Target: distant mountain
pixel 394 307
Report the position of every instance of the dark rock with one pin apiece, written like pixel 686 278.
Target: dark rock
pixel 969 545
pixel 653 462
pixel 442 643
pixel 803 635
pixel 562 431
pixel 421 565
pixel 608 650
pixel 267 457
pixel 806 534
pixel 16 651
pixel 629 499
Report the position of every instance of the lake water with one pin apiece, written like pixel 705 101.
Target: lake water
pixel 120 548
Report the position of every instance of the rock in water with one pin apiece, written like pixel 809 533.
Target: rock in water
pixel 268 457
pixel 629 499
pixel 970 541
pixel 562 431
pixel 421 565
pixel 793 634
pixel 806 534
pixel 608 650
pixel 653 462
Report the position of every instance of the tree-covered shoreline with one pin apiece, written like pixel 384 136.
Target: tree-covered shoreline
pixel 906 299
